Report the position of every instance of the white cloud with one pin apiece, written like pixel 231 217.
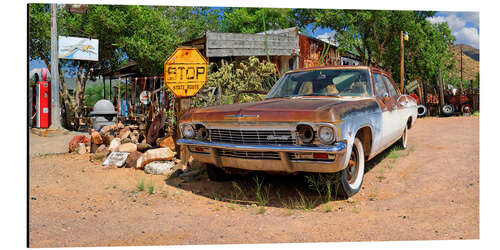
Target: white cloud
pixel 468 36
pixel 328 37
pixel 472 17
pixel 457 22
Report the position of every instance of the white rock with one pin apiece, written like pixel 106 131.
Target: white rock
pixel 158 167
pixel 114 144
pixel 82 148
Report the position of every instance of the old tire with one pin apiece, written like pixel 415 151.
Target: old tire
pixel 351 177
pixel 447 109
pixel 466 108
pixel 403 141
pixel 421 110
pixel 217 174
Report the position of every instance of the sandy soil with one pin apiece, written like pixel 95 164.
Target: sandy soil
pixel 431 192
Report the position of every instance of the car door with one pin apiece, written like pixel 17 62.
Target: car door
pixel 400 105
pixel 387 105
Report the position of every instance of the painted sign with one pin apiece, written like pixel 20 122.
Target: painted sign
pixel 185 72
pixel 78 48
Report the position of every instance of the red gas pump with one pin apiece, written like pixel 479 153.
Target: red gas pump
pixel 43 101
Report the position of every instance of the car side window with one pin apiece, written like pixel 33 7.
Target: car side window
pixel 392 90
pixel 380 89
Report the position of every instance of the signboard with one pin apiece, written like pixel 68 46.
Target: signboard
pixel 185 72
pixel 116 158
pixel 78 48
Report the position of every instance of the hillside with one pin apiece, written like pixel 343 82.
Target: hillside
pixel 469 64
pixel 469 50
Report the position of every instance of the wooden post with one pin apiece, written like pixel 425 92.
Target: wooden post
pixel 402 64
pixel 441 94
pixel 118 100
pixel 110 87
pixel 134 98
pixel 461 71
pixel 181 106
pixel 103 88
pixel 126 95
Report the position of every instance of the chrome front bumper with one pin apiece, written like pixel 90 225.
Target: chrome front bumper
pixel 282 164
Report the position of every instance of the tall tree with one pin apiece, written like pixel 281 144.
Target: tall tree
pixel 254 20
pixel 374 36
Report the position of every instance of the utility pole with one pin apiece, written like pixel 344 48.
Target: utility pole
pixel 54 66
pixel 402 69
pixel 461 69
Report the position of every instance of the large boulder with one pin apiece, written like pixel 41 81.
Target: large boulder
pixel 96 138
pixel 107 128
pixel 158 167
pixel 77 139
pixel 115 143
pixel 107 138
pixel 132 158
pixel 127 147
pixel 157 154
pixel 143 147
pixel 167 142
pixel 124 133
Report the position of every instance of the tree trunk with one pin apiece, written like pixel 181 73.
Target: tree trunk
pixel 66 100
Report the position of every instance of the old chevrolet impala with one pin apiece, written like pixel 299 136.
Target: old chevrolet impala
pixel 316 120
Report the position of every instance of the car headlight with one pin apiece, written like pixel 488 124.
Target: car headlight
pixel 306 133
pixel 326 135
pixel 188 131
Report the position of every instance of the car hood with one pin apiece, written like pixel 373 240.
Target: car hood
pixel 310 109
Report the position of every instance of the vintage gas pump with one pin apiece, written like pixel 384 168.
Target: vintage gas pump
pixel 43 101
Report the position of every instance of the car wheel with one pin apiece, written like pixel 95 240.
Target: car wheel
pixel 447 109
pixel 351 177
pixel 466 108
pixel 421 110
pixel 217 174
pixel 403 141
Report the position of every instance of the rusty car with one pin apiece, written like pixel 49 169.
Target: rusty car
pixel 314 120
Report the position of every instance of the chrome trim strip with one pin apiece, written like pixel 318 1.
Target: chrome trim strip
pixel 336 148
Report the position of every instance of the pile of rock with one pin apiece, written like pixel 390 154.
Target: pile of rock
pixel 155 159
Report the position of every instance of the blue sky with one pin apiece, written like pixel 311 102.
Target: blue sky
pixel 464 26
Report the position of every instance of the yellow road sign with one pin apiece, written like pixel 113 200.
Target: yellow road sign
pixel 185 72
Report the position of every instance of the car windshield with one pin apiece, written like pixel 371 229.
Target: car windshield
pixel 324 82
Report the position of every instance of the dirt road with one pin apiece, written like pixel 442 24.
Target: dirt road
pixel 428 192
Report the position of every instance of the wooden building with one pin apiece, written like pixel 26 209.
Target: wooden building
pixel 287 48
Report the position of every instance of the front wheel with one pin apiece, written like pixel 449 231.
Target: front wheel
pixel 351 177
pixel 403 141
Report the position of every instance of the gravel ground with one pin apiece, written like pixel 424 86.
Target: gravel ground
pixel 428 192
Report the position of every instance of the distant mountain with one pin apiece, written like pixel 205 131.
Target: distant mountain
pixel 469 50
pixel 470 64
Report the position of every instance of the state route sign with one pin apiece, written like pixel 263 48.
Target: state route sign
pixel 185 72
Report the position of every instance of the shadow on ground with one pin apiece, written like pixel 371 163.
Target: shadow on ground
pixel 298 191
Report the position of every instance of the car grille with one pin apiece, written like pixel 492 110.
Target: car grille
pixel 248 154
pixel 274 137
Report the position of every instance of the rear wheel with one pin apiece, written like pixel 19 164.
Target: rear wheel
pixel 351 177
pixel 217 174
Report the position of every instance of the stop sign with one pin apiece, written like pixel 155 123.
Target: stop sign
pixel 185 72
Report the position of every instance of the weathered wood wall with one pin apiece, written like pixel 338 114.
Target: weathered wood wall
pixel 234 44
